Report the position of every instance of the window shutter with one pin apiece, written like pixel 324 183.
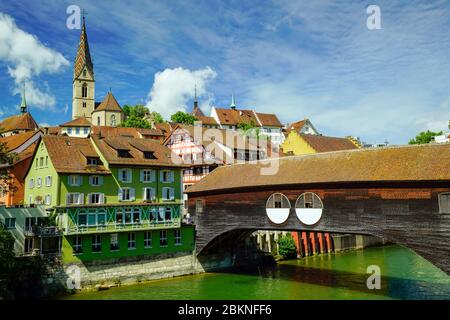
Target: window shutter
pixel 172 194
pixel 152 193
pixel 67 199
pixel 161 176
pixel 120 195
pixel 102 198
pixel 100 180
pixel 91 180
pixel 144 192
pixel 89 198
pixel 80 180
pixel 129 175
pixel 172 177
pixel 142 176
pixel 132 194
pixel 81 198
pixel 68 181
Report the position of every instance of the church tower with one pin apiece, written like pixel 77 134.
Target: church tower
pixel 83 96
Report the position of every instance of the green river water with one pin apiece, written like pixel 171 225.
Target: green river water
pixel 405 275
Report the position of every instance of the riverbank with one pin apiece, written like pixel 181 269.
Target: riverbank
pixel 405 275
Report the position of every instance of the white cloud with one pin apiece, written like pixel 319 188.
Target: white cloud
pixel 26 58
pixel 173 88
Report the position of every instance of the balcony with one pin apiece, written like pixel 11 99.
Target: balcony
pixel 121 227
pixel 48 232
pixel 190 178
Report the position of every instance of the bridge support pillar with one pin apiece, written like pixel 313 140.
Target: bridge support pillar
pixel 320 236
pixel 305 243
pixel 328 241
pixel 313 242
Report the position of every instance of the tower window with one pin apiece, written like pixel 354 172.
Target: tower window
pixel 98 121
pixel 84 91
pixel 113 120
pixel 84 104
pixel 84 73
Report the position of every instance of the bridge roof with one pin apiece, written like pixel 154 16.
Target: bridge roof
pixel 390 164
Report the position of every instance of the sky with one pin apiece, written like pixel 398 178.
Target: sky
pixel 297 59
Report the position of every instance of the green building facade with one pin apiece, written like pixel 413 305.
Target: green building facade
pixel 112 197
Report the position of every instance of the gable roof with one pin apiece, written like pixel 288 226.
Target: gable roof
pixel 69 154
pixel 235 116
pixel 23 121
pixel 390 164
pixel 327 144
pixel 109 147
pixel 207 120
pixel 109 103
pixel 15 141
pixel 78 122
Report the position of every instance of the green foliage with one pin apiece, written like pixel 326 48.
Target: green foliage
pixel 137 111
pixel 246 126
pixel 424 137
pixel 157 118
pixel 136 122
pixel 6 251
pixel 183 118
pixel 286 247
pixel 7 160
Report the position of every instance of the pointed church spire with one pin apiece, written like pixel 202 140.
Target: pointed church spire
pixel 233 103
pixel 23 104
pixel 83 58
pixel 195 97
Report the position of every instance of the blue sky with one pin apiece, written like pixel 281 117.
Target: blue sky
pixel 298 59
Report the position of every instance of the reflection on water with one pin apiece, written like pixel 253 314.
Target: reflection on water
pixel 405 275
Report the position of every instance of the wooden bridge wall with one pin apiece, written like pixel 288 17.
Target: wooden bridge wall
pixel 408 216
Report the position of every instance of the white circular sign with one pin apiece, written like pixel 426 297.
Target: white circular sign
pixel 309 216
pixel 278 215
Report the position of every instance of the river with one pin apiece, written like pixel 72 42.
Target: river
pixel 405 275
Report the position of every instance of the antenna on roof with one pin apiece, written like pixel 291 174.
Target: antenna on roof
pixel 233 103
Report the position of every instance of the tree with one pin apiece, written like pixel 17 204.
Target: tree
pixel 136 122
pixel 424 137
pixel 138 111
pixel 183 118
pixel 7 160
pixel 6 258
pixel 286 247
pixel 156 117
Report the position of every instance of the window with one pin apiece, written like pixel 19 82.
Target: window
pixel 114 242
pixel 149 155
pixel 95 180
pixel 84 73
pixel 84 90
pixel 75 180
pixel 96 198
pixel 113 120
pixel 30 199
pixel 136 216
pixel 85 131
pixel 125 175
pixel 77 130
pixel 96 243
pixel 309 200
pixel 84 104
pixel 29 223
pixel 77 245
pixel 147 239
pixel 444 203
pixel 41 162
pixel 39 182
pixel 10 223
pixel 163 238
pixel 48 200
pixel 199 206
pixel 28 245
pixel 46 161
pixel 92 161
pixel 69 130
pixel 31 183
pixel 101 217
pixel 123 153
pixel 126 194
pixel 278 208
pixel 166 176
pixel 168 194
pixel 74 198
pixel 48 181
pixel 147 175
pixel 168 214
pixel 149 194
pixel 82 219
pixel 131 240
pixel 98 121
pixel 308 208
pixel 177 237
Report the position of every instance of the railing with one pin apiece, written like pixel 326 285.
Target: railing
pixel 193 178
pixel 48 232
pixel 150 225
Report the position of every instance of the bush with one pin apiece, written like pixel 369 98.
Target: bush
pixel 286 247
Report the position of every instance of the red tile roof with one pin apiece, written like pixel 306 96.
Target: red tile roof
pixel 236 116
pixel 326 144
pixel 23 121
pixel 109 148
pixel 16 140
pixel 109 103
pixel 69 154
pixel 79 122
